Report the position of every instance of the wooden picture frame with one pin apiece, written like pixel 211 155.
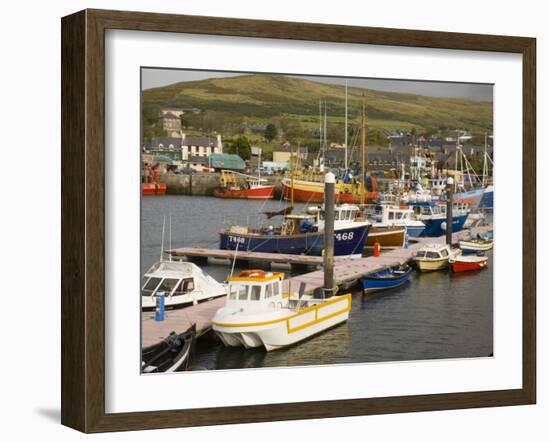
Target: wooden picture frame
pixel 83 220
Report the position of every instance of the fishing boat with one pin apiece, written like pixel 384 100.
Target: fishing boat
pixel 258 314
pixel 434 257
pixel 313 192
pixel 253 187
pixel 434 215
pixel 171 354
pixel 394 215
pixel 474 197
pixel 302 234
pixel 149 189
pixel 352 191
pixel 181 283
pixel 386 236
pixel 151 185
pixel 388 278
pixel 468 263
pixel 476 245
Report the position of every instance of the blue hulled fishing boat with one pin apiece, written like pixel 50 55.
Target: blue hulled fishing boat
pixel 388 278
pixel 302 234
pixel 433 215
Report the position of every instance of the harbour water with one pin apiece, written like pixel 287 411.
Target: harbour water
pixel 436 315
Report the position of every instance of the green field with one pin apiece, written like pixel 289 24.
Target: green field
pixel 227 103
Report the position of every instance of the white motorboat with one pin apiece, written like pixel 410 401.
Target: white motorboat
pixel 257 313
pixel 476 245
pixel 434 257
pixel 182 283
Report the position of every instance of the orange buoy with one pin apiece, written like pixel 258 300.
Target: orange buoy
pixel 376 249
pixel 252 273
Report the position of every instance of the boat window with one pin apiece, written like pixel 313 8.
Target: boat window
pixel 232 292
pixel 390 215
pixel 167 285
pixel 432 255
pixel 255 292
pixel 444 253
pixel 151 285
pixel 337 216
pixel 322 215
pixel 186 285
pixel 421 254
pixel 268 291
pixel 399 215
pixel 243 293
pixel 276 289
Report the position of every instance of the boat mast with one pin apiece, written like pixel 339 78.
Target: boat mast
pixel 346 133
pixel 320 128
pixel 291 178
pixel 485 171
pixel 162 238
pixel 259 164
pixel 170 234
pixel 325 134
pixel 363 154
pixel 456 163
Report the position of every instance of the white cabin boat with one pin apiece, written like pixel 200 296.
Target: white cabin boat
pixel 182 283
pixel 257 313
pixel 385 215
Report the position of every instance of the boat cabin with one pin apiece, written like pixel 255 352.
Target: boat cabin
pixel 255 289
pixel 343 214
pixel 435 252
pixel 389 215
pixel 424 210
pixel 168 278
pixel 296 224
pixel 460 207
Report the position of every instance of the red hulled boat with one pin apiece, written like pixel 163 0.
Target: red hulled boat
pixel 151 186
pixel 467 263
pixel 254 188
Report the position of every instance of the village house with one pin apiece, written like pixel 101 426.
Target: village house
pixel 183 147
pixel 282 154
pixel 170 123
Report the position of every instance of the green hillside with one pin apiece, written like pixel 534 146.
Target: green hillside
pixel 263 98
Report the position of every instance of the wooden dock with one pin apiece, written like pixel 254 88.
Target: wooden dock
pixel 346 270
pixel 279 258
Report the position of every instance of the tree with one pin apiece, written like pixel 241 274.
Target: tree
pixel 270 132
pixel 295 133
pixel 240 146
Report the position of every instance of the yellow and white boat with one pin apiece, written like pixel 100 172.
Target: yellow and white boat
pixel 257 313
pixel 434 257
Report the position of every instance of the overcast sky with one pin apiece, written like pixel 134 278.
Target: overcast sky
pixel 153 77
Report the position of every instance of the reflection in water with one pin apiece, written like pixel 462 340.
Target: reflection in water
pixel 435 315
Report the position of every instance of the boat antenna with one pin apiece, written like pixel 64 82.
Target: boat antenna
pixel 162 238
pixel 362 199
pixel 234 260
pixel 170 234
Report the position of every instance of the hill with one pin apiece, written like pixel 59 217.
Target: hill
pixel 261 98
